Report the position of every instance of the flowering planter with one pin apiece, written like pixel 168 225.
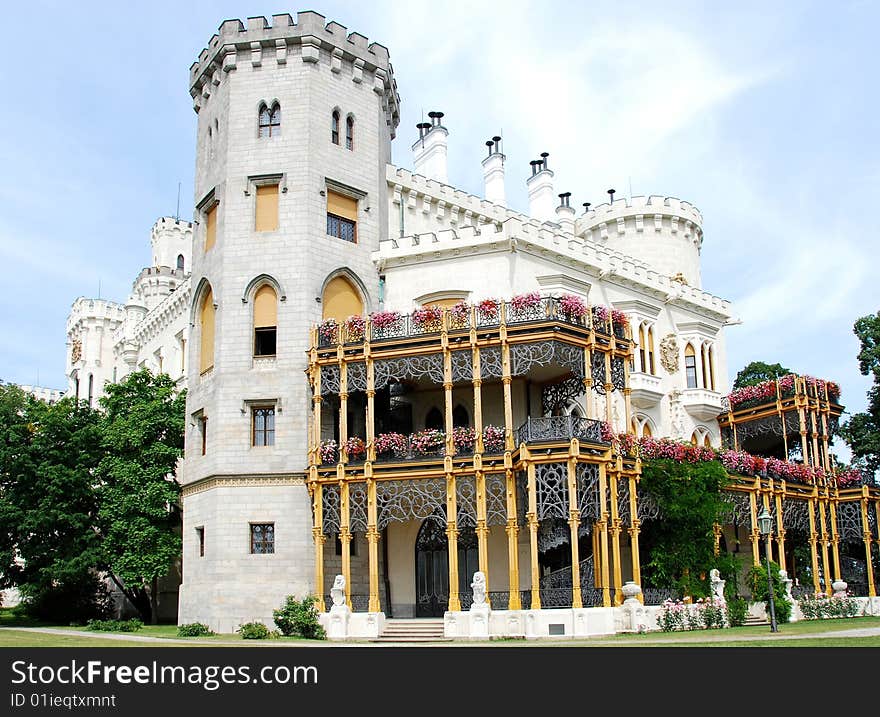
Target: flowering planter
pixel 493 439
pixel 465 440
pixel 429 442
pixel 391 446
pixel 525 307
pixel 488 312
pixel 355 326
pixel 427 320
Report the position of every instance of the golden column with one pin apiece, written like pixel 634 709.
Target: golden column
pixel 452 535
pixel 765 500
pixel 609 387
pixel 803 422
pixel 753 515
pixel 823 537
pixel 588 382
pixel 866 539
pixel 477 383
pixel 372 539
pixel 814 540
pixel 716 536
pixel 532 518
pixel 602 524
pixel 318 537
pixel 447 391
pixel 835 536
pixel 634 524
pixel 615 535
pixel 315 457
pixel 344 531
pixel 780 528
pixel 343 411
pixel 371 407
pixel 574 521
pixel 514 602
pixel 482 530
pixel 817 459
pixel 508 401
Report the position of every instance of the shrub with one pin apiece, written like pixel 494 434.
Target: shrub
pixel 671 616
pixel 299 617
pixel 758 584
pixel 712 612
pixel 737 611
pixel 132 625
pixel 822 606
pixel 194 629
pixel 253 631
pixel 694 618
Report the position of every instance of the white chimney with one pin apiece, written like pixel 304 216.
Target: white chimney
pixel 565 213
pixel 429 151
pixel 493 173
pixel 540 186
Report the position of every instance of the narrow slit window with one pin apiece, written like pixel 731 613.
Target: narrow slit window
pixel 334 127
pixel 200 536
pixel 349 132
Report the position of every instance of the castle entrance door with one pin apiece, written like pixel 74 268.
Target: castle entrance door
pixel 432 566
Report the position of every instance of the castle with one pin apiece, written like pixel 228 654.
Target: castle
pixel 395 381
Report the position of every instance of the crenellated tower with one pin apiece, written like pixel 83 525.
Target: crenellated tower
pixel 294 130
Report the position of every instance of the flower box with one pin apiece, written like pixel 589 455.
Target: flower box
pixel 355 326
pixel 428 442
pixel 458 316
pixel 427 319
pixel 391 445
pixel 464 438
pixel 328 331
pixel 355 448
pixel 572 307
pixel 329 452
pixel 493 439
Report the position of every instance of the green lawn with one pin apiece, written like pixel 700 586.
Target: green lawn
pixel 22 638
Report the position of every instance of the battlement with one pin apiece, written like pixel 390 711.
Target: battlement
pixel 544 238
pixel 170 225
pixel 84 309
pixel 646 206
pixel 310 32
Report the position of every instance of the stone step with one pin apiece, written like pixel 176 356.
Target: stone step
pixel 414 630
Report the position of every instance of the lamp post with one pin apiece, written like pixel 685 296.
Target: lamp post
pixel 765 524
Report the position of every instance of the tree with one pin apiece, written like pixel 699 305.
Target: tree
pixel 862 431
pixel 142 429
pixel 757 372
pixel 48 543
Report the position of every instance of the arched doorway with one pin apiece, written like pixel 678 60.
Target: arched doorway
pixel 432 566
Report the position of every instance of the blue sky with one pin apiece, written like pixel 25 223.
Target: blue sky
pixel 761 114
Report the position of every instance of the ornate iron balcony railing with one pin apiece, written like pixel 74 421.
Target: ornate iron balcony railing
pixel 559 428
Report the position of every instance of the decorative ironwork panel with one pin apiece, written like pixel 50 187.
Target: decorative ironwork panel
pixel 588 500
pixel 618 373
pixel 329 380
pixel 552 533
pixel 657 596
pixel 462 366
pixel 524 357
pixel 572 357
pixel 397 328
pixel 551 480
pixel 426 323
pixel 496 499
pixel 740 509
pixel 403 500
pixel 357 376
pixel 466 501
pixel 555 428
pixel 527 312
pixel 491 364
pixel 769 426
pixel 408 367
pixel 330 509
pixel 557 395
pixel 522 497
pixel 646 507
pixel 357 507
pixel 872 522
pixel 849 522
pixel 796 515
pixel 588 574
pixel 623 501
pixel 597 371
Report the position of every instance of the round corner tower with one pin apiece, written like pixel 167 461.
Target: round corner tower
pixel 664 232
pixel 295 122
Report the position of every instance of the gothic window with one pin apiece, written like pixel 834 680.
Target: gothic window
pixel 206 327
pixel 340 300
pixel 262 538
pixel 334 127
pixel 460 417
pixel 265 321
pixel 91 387
pixel 180 262
pixel 701 437
pixel 690 366
pixel 349 132
pixel 643 355
pixel 270 120
pixel 263 426
pixel 203 430
pixel 642 426
pixel 342 215
pixel 434 419
pixel 651 366
pixel 711 367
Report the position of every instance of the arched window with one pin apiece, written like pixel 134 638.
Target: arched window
pixel 642 426
pixel 690 366
pixel 460 417
pixel 341 300
pixel 270 120
pixel 434 419
pixel 334 127
pixel 711 367
pixel 349 132
pixel 180 262
pixel 701 437
pixel 643 353
pixel 91 387
pixel 206 329
pixel 265 321
pixel 651 365
pixel 704 366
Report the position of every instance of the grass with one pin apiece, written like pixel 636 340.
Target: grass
pixel 22 638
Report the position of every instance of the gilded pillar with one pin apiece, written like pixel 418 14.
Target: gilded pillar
pixel 616 571
pixel 634 524
pixel 373 544
pixel 482 529
pixel 508 401
pixel 514 601
pixel 814 541
pixel 716 537
pixel 318 537
pixel 345 533
pixel 835 537
pixel 823 537
pixel 371 411
pixel 609 387
pixel 574 521
pixel 447 397
pixel 866 539
pixel 452 538
pixel 753 514
pixel 602 524
pixel 532 518
pixel 315 458
pixel 588 384
pixel 477 383
pixel 780 532
pixel 343 412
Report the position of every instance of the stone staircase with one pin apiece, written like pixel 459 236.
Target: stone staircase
pixel 413 631
pixel 752 621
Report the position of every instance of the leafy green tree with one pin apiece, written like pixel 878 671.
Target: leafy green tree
pixel 48 543
pixel 757 372
pixel 682 542
pixel 142 429
pixel 862 431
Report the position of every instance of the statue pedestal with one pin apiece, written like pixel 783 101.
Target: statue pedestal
pixel 479 622
pixel 636 617
pixel 337 628
pixel 839 587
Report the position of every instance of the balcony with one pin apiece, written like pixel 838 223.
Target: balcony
pixel 560 428
pixel 702 404
pixel 646 390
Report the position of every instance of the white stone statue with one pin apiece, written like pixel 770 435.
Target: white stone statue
pixel 337 592
pixel 717 584
pixel 788 582
pixel 479 587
